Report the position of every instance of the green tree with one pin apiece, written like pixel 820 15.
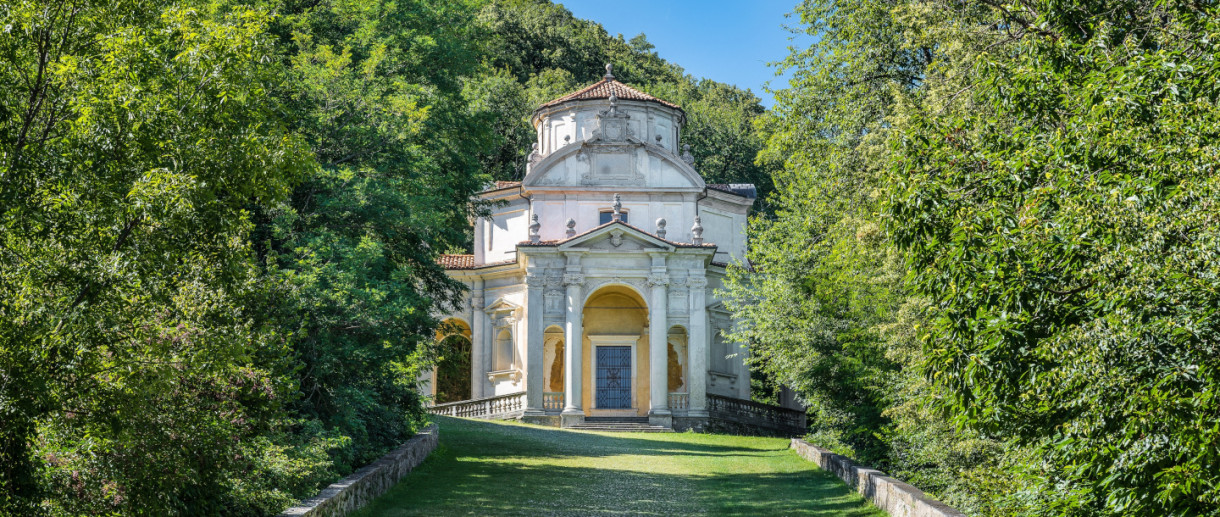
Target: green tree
pixel 1066 231
pixel 376 89
pixel 134 137
pixel 824 307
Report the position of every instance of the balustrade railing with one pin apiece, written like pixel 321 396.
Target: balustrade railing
pixel 552 401
pixel 491 407
pixel 679 401
pixel 756 413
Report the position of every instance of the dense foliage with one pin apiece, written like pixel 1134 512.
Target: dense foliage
pixel 134 138
pixel 377 95
pixel 992 269
pixel 1069 231
pixel 220 224
pixel 825 307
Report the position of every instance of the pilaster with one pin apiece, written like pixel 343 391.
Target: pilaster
pixel 699 343
pixel 573 337
pixel 658 345
pixel 478 340
pixel 535 286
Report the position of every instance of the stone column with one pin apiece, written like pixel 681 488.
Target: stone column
pixel 478 339
pixel 658 345
pixel 697 348
pixel 535 287
pixel 573 337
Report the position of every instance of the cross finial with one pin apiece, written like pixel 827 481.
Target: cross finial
pixel 609 72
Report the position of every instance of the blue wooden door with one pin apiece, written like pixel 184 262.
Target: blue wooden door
pixel 613 377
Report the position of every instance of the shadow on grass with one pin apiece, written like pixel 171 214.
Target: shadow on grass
pixel 522 438
pixel 484 468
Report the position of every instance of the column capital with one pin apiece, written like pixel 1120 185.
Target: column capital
pixel 697 282
pixel 576 279
pixel 658 279
pixel 535 280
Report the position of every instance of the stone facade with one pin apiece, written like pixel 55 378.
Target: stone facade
pixel 612 242
pixel 895 497
pixel 353 492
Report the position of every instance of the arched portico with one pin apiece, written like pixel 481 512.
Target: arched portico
pixel 615 344
pixel 451 377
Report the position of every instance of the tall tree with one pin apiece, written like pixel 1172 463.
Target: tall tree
pixel 133 138
pixel 376 89
pixel 824 307
pixel 1067 232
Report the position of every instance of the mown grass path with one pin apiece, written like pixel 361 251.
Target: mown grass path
pixel 497 468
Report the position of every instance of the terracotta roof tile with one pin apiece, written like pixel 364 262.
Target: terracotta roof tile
pixel 456 261
pixel 603 89
pixel 507 184
pixel 452 262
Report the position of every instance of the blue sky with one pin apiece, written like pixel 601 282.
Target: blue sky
pixel 727 41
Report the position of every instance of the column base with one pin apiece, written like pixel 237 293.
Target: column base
pixel 571 417
pixel 541 419
pixel 661 417
pixel 697 413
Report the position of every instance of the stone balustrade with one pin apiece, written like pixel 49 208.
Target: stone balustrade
pixel 679 401
pixel 781 420
pixel 552 401
pixel 507 406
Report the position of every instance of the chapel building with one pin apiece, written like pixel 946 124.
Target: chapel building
pixel 592 284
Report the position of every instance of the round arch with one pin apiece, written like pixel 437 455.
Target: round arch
pixel 453 363
pixel 619 287
pixel 615 351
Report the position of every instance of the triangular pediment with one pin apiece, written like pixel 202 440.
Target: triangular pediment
pixel 501 306
pixel 617 236
pixel 719 309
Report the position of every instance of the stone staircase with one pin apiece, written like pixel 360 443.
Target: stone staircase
pixel 620 425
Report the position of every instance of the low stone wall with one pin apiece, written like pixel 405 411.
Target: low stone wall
pixel 895 497
pixel 353 492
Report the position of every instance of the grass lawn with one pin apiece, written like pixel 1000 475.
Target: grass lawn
pixel 499 468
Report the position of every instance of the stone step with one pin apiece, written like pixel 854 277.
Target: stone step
pixel 617 419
